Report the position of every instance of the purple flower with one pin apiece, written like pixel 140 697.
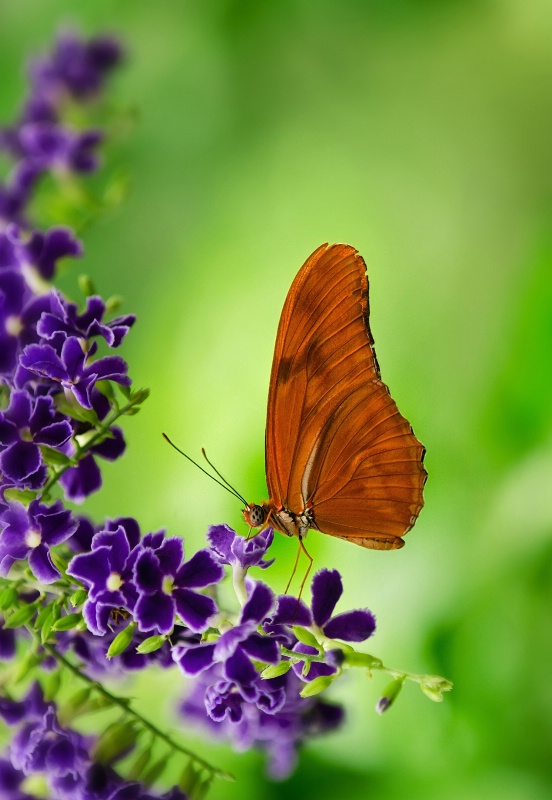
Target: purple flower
pixel 166 585
pixel 229 548
pixel 76 66
pixel 70 368
pixel 27 423
pixel 10 782
pixel 277 722
pixel 29 533
pixel 64 320
pixel 235 650
pixel 350 626
pixel 107 572
pixel 43 250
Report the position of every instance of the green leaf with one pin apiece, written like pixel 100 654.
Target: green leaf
pixel 155 771
pixel 306 637
pixel 316 686
pixel 121 641
pixel 151 644
pixel 190 778
pixel 77 704
pixel 8 598
pixel 67 622
pixel 49 622
pixel 115 741
pixel 25 667
pixel 24 496
pixel 51 684
pixel 275 670
pixel 139 764
pixel 21 616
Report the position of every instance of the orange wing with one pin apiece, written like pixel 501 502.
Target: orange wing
pixel 335 440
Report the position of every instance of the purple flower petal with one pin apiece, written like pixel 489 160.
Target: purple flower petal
pixel 155 612
pixel 290 611
pixel 201 570
pixel 170 555
pixel 41 565
pixel 262 648
pixel 148 577
pixel 43 361
pixel 193 660
pixel 238 668
pixel 81 481
pixel 327 588
pixel 352 626
pixel 220 538
pixel 259 604
pixel 20 461
pixel 194 609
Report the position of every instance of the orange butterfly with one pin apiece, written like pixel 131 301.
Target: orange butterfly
pixel 340 457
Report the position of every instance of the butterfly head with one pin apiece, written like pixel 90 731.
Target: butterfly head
pixel 254 515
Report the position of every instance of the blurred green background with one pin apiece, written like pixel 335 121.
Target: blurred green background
pixel 421 133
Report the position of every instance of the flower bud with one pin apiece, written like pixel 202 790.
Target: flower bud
pixel 390 695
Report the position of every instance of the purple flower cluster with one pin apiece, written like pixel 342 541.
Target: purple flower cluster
pixel 268 713
pixel 41 140
pixel 55 415
pixel 40 745
pixel 147 579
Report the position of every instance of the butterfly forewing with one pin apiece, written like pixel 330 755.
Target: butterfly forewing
pixel 335 440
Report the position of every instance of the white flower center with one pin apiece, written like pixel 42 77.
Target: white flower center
pixel 114 582
pixel 168 582
pixel 33 539
pixel 13 325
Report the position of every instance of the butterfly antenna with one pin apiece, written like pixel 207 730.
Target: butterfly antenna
pixel 224 485
pixel 223 479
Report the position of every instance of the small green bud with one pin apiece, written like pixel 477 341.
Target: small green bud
pixel 151 644
pixel 316 686
pixel 190 778
pixel 390 694
pixel 86 286
pixel 8 598
pixel 121 641
pixel 139 764
pixel 24 496
pixel 67 622
pixel 275 670
pixel 79 597
pixel 306 637
pixel 155 771
pixel 20 617
pixel 114 742
pixel 25 667
pixel 51 683
pixel 54 458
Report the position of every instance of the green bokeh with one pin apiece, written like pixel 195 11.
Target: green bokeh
pixel 421 133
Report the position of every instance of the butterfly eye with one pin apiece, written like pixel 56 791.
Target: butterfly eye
pixel 255 516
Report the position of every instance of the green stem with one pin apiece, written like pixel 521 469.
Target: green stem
pixel 124 704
